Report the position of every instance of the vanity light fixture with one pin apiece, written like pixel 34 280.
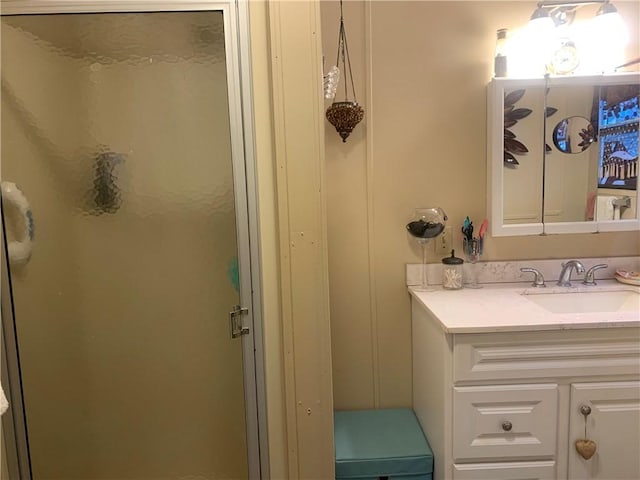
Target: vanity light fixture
pixel 553 43
pixel 562 12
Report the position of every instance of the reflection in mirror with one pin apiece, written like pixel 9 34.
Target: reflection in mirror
pixel 523 155
pixel 618 116
pixel 573 134
pixel 512 114
pixel 570 179
pixel 593 183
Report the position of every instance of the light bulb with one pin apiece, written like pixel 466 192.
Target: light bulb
pixel 611 29
pixel 612 37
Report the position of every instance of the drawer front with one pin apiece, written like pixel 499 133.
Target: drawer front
pixel 505 471
pixel 509 356
pixel 502 421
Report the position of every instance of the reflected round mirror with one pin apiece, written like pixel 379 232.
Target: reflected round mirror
pixel 573 135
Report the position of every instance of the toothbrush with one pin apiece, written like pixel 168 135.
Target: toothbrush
pixel 481 232
pixel 483 228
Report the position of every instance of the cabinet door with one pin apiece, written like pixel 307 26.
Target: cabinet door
pixel 614 424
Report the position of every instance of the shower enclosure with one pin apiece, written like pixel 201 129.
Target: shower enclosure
pixel 128 317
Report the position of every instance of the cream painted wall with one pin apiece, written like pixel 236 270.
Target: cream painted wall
pixel 421 70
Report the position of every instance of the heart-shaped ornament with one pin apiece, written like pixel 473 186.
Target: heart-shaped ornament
pixel 586 448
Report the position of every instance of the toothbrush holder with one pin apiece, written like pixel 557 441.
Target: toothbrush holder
pixel 472 251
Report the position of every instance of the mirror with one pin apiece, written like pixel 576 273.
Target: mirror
pixel 522 155
pixel 563 154
pixel 570 172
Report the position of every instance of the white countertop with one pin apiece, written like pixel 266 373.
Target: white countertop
pixel 505 308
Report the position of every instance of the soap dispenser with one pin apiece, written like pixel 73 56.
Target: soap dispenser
pixel 452 272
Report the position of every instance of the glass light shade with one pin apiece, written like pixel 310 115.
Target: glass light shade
pixel 540 13
pixel 541 21
pixel 530 47
pixel 610 28
pixel 541 26
pixel 610 38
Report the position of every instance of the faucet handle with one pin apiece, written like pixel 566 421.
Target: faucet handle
pixel 538 281
pixel 589 277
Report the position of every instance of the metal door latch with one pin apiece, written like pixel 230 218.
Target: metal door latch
pixel 235 321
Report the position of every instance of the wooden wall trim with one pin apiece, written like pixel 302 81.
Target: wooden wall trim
pixel 299 147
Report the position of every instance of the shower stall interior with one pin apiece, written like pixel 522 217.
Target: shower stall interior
pixel 126 244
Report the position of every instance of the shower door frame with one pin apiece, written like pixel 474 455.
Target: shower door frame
pixel 240 98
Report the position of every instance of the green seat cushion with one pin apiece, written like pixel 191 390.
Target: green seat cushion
pixel 373 443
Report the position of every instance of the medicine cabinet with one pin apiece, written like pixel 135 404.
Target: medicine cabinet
pixel 562 154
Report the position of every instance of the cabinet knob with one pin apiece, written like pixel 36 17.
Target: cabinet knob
pixel 585 410
pixel 507 426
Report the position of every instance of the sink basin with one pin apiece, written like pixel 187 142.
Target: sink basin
pixel 587 302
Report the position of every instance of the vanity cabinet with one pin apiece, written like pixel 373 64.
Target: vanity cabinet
pixel 506 405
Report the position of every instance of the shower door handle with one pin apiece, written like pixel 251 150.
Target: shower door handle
pixel 235 321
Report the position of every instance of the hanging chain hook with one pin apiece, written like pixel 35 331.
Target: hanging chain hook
pixel 343 53
pixel 345 115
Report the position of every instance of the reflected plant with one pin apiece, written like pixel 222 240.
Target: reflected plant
pixel 512 115
pixel 548 112
pixel 588 136
pixel 513 146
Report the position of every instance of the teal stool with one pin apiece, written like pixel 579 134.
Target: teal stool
pixel 374 444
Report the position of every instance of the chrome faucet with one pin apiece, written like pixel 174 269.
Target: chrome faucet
pixel 565 274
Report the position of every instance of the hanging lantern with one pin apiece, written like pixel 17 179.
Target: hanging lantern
pixel 345 115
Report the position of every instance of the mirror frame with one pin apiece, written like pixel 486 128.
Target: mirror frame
pixel 495 158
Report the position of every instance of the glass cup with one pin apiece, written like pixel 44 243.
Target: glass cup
pixel 472 252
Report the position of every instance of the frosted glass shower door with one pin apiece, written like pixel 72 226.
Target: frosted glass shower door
pixel 116 126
